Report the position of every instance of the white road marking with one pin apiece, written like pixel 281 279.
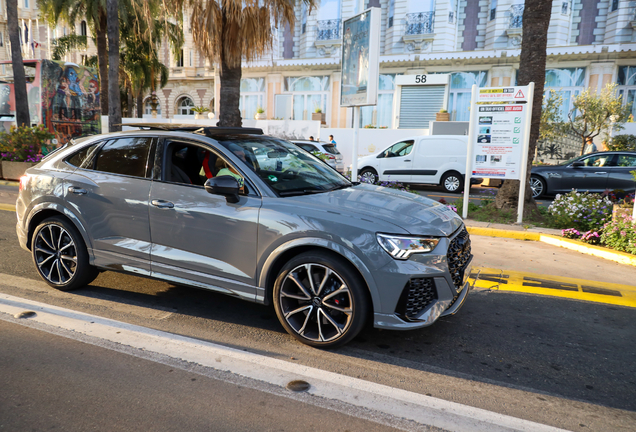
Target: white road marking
pixel 412 406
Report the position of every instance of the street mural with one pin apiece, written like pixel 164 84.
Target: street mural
pixel 62 96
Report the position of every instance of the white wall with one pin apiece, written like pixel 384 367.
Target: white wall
pixel 370 141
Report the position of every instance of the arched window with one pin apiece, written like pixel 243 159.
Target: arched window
pixel 83 31
pixel 184 106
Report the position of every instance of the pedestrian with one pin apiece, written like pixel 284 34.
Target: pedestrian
pixel 311 138
pixel 331 140
pixel 590 147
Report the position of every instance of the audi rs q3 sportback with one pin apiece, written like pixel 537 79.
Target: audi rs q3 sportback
pixel 193 206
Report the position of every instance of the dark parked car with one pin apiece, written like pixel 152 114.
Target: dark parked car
pixel 193 206
pixel 593 172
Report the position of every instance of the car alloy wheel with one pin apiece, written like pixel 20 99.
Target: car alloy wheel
pixel 368 176
pixel 538 186
pixel 452 183
pixel 319 301
pixel 60 255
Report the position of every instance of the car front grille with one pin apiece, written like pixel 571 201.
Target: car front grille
pixel 458 256
pixel 416 296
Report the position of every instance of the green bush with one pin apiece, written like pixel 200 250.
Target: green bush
pixel 623 142
pixel 620 234
pixel 22 144
pixel 583 211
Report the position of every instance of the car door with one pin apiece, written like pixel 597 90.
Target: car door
pixel 591 176
pixel 619 176
pixel 199 238
pixel 436 156
pixel 109 191
pixel 396 162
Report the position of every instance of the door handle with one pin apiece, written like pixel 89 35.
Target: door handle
pixel 76 190
pixel 407 160
pixel 162 204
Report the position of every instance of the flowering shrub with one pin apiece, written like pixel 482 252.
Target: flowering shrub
pixel 583 211
pixel 591 237
pixel 22 144
pixel 620 234
pixel 571 233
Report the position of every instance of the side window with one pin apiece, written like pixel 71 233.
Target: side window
pixel 84 157
pixel 625 160
pixel 400 149
pixel 127 156
pixel 308 147
pixel 597 161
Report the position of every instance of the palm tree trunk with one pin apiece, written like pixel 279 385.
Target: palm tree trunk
pixel 130 102
pixel 229 113
pixel 114 97
pixel 19 79
pixel 102 58
pixel 140 108
pixel 536 19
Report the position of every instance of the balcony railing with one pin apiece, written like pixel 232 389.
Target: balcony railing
pixel 516 16
pixel 419 23
pixel 328 30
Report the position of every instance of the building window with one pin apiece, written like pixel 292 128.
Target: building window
pixel 568 82
pixel 148 107
pixel 179 60
pixel 309 93
pixel 380 115
pixel 26 4
pixel 493 9
pixel 252 95
pixel 461 84
pixel 516 16
pixel 627 86
pixel 1 39
pixel 565 8
pixel 614 5
pixel 303 18
pixel 391 12
pixel 328 20
pixel 185 105
pixel 83 30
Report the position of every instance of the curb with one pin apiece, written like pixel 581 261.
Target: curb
pixel 9 183
pixel 608 254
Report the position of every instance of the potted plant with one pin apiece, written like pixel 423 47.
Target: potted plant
pixel 442 115
pixel 260 114
pixel 318 115
pixel 20 149
pixel 198 112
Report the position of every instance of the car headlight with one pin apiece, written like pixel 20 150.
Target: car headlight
pixel 402 248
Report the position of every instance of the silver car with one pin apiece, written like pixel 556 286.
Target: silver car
pixel 329 151
pixel 192 206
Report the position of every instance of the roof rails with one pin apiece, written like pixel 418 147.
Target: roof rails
pixel 209 131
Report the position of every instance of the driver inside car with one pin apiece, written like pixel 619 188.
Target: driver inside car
pixel 222 168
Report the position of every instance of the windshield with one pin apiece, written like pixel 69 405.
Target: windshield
pixel 284 167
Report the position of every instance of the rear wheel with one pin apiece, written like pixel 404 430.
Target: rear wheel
pixel 320 301
pixel 452 182
pixel 60 255
pixel 538 186
pixel 369 175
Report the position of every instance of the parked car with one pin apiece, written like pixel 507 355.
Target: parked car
pixel 593 172
pixel 193 206
pixel 436 159
pixel 334 158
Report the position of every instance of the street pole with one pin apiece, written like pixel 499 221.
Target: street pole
pixel 523 181
pixel 356 130
pixel 472 129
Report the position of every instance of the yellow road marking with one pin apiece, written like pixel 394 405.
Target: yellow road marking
pixel 7 207
pixel 556 286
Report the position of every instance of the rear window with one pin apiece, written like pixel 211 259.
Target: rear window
pixel 127 156
pixel 331 148
pixel 308 147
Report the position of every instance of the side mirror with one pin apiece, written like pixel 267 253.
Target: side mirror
pixel 577 164
pixel 224 185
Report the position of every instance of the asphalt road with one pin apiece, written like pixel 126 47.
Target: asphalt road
pixel 554 361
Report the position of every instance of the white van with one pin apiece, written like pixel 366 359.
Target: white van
pixel 434 159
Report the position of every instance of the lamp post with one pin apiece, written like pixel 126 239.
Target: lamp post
pixel 154 102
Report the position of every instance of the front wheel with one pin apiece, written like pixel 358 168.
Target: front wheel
pixel 452 182
pixel 369 175
pixel 60 255
pixel 320 301
pixel 538 186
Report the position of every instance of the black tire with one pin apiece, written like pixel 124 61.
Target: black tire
pixel 340 300
pixel 538 186
pixel 60 255
pixel 452 182
pixel 370 175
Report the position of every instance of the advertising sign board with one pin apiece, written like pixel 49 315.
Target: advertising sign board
pixel 360 59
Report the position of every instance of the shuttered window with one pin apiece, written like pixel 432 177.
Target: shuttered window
pixel 419 104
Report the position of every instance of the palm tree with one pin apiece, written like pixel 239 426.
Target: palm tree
pixel 228 31
pixel 536 19
pixel 19 80
pixel 114 108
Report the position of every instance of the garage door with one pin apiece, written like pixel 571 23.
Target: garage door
pixel 419 104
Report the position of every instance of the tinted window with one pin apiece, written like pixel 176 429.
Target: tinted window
pixel 330 148
pixel 83 158
pixel 127 156
pixel 597 161
pixel 625 160
pixel 308 147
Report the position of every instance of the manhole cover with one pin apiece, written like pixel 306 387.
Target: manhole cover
pixel 298 386
pixel 25 314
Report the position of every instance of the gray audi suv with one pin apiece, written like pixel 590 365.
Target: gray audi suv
pixel 193 206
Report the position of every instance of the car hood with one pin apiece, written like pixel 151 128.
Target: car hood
pixel 414 213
